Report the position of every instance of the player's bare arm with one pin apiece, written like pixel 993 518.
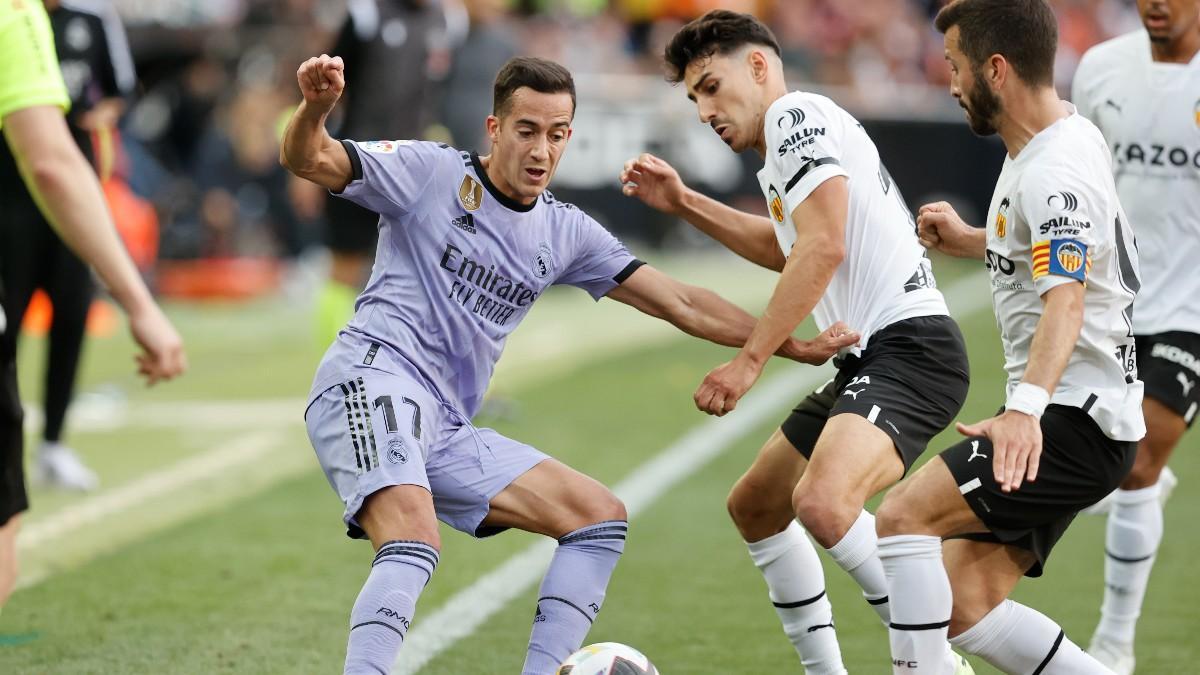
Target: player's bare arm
pixel 66 190
pixel 704 314
pixel 940 228
pixel 658 185
pixel 1017 436
pixel 819 250
pixel 307 149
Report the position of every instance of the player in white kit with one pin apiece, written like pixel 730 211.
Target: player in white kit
pixel 846 246
pixel 1064 274
pixel 1143 91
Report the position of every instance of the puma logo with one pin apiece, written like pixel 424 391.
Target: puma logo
pixel 853 394
pixel 813 629
pixel 1186 383
pixel 975 452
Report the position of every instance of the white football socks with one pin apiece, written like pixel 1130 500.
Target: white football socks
pixel 1135 527
pixel 796 584
pixel 857 553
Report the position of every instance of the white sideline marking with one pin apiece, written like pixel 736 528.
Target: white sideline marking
pixel 467 610
pixel 244 450
pixel 471 607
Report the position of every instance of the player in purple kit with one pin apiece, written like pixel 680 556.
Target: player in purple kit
pixel 466 245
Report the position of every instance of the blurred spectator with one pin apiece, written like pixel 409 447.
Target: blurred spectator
pixel 489 41
pixel 394 51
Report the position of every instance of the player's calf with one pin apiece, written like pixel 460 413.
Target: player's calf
pixel 572 593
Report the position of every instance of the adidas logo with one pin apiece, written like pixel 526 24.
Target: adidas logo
pixel 538 617
pixel 466 223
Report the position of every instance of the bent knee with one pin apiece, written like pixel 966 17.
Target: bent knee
pixel 898 514
pixel 599 507
pixel 827 516
pixel 756 514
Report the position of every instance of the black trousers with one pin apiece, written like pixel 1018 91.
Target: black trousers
pixel 31 257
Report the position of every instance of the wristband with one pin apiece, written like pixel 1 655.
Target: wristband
pixel 1029 399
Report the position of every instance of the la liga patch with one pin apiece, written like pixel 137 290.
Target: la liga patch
pixel 380 147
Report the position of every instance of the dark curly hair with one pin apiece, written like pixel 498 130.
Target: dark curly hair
pixel 718 32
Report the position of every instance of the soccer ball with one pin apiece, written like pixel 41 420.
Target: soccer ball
pixel 607 658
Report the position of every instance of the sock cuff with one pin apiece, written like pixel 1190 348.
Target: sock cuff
pixel 415 553
pixel 980 638
pixel 767 551
pixel 1139 496
pixel 858 545
pixel 910 546
pixel 606 533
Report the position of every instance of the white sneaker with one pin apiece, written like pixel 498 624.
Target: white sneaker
pixel 1167 480
pixel 59 466
pixel 1116 656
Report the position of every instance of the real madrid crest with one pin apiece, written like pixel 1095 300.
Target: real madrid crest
pixel 397 453
pixel 543 262
pixel 470 193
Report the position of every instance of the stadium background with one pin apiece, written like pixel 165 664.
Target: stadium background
pixel 214 544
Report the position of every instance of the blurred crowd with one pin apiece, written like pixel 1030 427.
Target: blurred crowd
pixel 217 83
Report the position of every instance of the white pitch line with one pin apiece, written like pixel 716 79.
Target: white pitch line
pixel 471 607
pixel 245 450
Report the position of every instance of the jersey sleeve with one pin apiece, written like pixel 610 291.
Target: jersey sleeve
pixel 803 149
pixel 1066 218
pixel 29 73
pixel 1082 87
pixel 389 176
pixel 600 262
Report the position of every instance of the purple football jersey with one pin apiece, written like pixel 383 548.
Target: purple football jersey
pixel 457 266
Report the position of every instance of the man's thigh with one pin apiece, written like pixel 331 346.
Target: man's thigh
pixel 373 430
pixel 552 499
pixel 1078 467
pixel 470 468
pixel 853 457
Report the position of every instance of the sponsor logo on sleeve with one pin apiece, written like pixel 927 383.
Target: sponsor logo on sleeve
pixel 470 193
pixel 1064 201
pixel 793 117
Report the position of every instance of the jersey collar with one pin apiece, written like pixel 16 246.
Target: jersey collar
pixel 504 199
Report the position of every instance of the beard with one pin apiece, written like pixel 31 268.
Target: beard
pixel 982 106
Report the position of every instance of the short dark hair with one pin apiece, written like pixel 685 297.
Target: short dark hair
pixel 541 75
pixel 1024 32
pixel 717 32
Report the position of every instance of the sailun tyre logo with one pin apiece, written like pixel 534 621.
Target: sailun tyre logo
pixel 1065 200
pixel 543 262
pixel 793 115
pixel 397 453
pixel 1070 256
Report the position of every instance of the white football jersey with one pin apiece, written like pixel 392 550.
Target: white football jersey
pixel 885 276
pixel 1150 115
pixel 1055 219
